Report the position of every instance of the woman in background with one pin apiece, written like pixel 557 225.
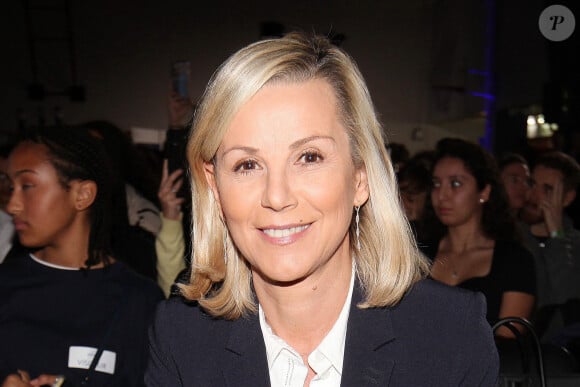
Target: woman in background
pixel 68 311
pixel 479 251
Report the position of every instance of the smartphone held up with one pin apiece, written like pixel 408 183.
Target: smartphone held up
pixel 180 77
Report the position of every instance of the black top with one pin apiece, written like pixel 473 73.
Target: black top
pixel 436 336
pixel 46 311
pixel 512 269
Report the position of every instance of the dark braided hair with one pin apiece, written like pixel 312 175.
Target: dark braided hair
pixel 76 155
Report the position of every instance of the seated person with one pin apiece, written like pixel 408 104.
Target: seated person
pixel 478 250
pixel 515 177
pixel 69 310
pixel 414 180
pixel 549 233
pixel 304 270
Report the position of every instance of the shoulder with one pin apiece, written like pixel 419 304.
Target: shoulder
pixel 176 317
pixel 437 300
pixel 507 246
pixel 17 270
pixel 437 331
pixel 442 315
pixel 135 282
pixel 182 333
pixel 512 251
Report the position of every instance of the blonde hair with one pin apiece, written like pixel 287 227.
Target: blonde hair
pixel 388 262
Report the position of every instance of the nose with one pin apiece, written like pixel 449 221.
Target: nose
pixel 278 191
pixel 14 205
pixel 442 192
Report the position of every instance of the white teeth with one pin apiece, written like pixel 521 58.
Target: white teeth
pixel 281 233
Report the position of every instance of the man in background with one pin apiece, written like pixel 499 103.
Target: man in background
pixel 552 239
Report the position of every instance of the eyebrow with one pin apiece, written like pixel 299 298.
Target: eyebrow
pixel 23 171
pixel 449 177
pixel 299 143
pixel 293 146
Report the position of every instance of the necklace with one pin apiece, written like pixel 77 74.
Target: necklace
pixel 443 261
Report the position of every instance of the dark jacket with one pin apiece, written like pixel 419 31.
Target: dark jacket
pixel 436 336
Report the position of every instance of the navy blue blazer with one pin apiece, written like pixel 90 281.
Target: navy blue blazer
pixel 436 336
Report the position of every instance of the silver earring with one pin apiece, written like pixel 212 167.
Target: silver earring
pixel 481 200
pixel 225 242
pixel 357 232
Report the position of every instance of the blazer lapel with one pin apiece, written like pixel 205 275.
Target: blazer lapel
pixel 366 363
pixel 245 362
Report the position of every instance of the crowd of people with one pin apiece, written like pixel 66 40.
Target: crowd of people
pixel 500 226
pixel 293 245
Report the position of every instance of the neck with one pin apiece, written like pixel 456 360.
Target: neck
pixel 70 249
pixel 461 238
pixel 303 313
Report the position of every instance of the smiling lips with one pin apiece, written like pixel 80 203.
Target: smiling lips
pixel 284 235
pixel 284 232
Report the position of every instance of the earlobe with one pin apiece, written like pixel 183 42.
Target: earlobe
pixel 85 193
pixel 362 187
pixel 485 193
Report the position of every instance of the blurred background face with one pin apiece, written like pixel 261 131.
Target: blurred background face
pixel 516 180
pixel 454 195
pixel 43 210
pixel 543 182
pixel 413 200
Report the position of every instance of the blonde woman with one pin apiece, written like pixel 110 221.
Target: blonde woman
pixel 304 270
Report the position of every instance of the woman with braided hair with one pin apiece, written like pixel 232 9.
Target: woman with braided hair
pixel 68 310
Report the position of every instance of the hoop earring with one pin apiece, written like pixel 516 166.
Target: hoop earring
pixel 357 231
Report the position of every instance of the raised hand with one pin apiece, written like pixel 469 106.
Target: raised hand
pixel 552 208
pixel 170 184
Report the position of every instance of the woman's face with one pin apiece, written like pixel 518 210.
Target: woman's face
pixel 516 180
pixel 413 200
pixel 286 183
pixel 43 210
pixel 454 195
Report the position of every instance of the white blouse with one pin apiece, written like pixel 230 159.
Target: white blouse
pixel 285 364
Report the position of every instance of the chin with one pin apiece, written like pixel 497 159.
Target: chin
pixel 283 275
